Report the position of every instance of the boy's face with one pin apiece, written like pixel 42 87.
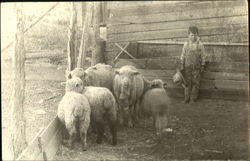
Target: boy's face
pixel 192 37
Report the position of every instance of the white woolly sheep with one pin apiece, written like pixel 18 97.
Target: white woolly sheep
pixel 129 86
pixel 103 111
pixel 99 75
pixel 74 112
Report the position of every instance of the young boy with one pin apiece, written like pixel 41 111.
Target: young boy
pixel 192 62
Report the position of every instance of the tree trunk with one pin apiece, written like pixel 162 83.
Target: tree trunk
pixel 72 39
pixel 85 34
pixel 97 54
pixel 17 122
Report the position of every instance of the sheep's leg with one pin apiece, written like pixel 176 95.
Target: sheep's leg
pixel 137 111
pixel 72 134
pixel 65 132
pixel 158 124
pixel 65 135
pixel 130 116
pixel 84 140
pixel 83 129
pixel 113 130
pixel 100 133
pixel 120 116
pixel 92 127
pixel 72 138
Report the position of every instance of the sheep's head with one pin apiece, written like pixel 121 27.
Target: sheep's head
pixel 158 83
pixel 74 84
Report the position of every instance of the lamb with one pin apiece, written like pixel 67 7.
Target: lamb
pixel 156 103
pixel 74 112
pixel 103 111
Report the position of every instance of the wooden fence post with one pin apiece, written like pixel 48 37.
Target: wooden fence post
pixel 85 34
pixel 97 54
pixel 17 122
pixel 72 38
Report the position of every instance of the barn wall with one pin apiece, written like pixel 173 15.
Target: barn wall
pixel 220 21
pixel 145 23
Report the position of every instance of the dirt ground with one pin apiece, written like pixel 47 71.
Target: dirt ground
pixel 207 129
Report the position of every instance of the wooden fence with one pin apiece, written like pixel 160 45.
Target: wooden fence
pixel 45 144
pixel 157 31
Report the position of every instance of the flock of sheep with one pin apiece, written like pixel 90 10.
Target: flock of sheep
pixel 103 95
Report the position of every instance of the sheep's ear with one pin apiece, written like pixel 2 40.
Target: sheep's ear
pixel 84 74
pixel 165 84
pixel 69 76
pixel 78 70
pixel 117 72
pixel 136 73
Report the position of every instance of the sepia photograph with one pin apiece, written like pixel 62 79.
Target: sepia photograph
pixel 125 80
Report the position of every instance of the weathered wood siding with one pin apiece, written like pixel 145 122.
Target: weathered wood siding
pixel 148 25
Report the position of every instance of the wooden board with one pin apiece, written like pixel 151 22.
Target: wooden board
pixel 232 67
pixel 206 75
pixel 215 39
pixel 33 150
pixel 147 8
pixel 179 15
pixel 118 29
pixel 226 76
pixel 166 63
pixel 53 146
pixel 211 84
pixel 50 139
pixel 236 95
pixel 215 53
pixel 50 131
pixel 128 4
pixel 138 63
pixel 178 33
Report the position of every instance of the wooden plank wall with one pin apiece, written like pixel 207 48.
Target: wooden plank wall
pixel 149 25
pixel 81 12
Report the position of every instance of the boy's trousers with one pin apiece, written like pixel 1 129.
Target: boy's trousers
pixel 192 83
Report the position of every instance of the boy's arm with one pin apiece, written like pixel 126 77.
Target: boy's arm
pixel 183 57
pixel 203 57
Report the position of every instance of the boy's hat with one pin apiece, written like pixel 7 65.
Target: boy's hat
pixel 178 78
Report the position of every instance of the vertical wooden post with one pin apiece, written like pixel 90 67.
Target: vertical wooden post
pixel 85 34
pixel 17 122
pixel 104 13
pixel 72 38
pixel 97 54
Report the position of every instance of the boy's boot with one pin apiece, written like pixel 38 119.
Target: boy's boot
pixel 187 94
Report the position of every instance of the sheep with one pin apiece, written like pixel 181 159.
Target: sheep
pixel 129 86
pixel 103 110
pixel 156 103
pixel 99 75
pixel 74 112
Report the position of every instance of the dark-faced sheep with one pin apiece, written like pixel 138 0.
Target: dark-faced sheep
pixel 156 103
pixel 129 86
pixel 103 111
pixel 74 112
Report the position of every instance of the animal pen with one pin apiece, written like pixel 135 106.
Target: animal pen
pixel 150 36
